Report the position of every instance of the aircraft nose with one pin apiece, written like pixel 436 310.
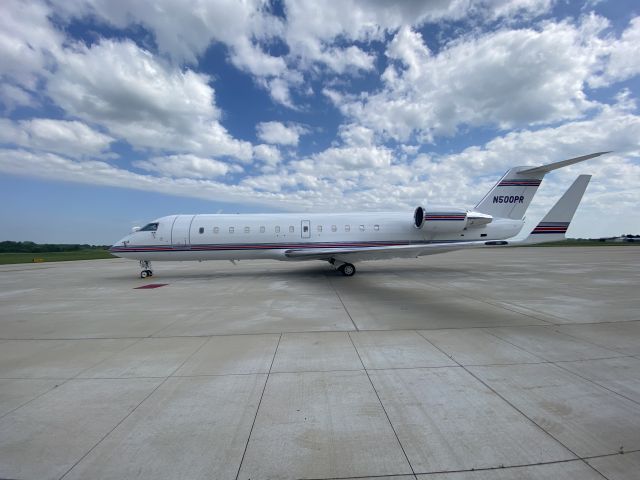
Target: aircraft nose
pixel 119 244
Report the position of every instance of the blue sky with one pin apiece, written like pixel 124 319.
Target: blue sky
pixel 114 113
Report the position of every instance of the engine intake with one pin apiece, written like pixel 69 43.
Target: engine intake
pixel 418 217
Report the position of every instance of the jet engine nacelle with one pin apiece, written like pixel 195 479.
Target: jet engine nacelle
pixel 448 221
pixel 445 221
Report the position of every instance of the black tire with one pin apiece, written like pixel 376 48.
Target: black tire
pixel 348 269
pixel 150 273
pixel 143 274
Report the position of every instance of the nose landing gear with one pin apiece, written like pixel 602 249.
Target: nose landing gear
pixel 145 265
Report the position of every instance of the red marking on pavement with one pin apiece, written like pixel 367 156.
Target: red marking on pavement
pixel 151 285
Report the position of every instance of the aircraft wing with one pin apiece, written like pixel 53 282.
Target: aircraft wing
pixel 357 254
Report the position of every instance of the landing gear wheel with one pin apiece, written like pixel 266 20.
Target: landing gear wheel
pixel 145 265
pixel 348 270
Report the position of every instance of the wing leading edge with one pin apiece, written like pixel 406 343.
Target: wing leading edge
pixel 358 254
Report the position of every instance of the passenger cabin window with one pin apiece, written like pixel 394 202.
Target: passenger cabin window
pixel 261 229
pixel 216 229
pixel 319 228
pixel 362 228
pixel 347 228
pixel 291 229
pixel 277 229
pixel 247 229
pixel 231 229
pixel 334 228
pixel 376 227
pixel 150 227
pixel 483 234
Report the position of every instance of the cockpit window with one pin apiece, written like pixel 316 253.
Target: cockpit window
pixel 151 227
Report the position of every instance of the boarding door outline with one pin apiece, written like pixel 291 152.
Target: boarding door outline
pixel 180 232
pixel 305 229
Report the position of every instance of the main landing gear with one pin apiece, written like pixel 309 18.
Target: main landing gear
pixel 145 265
pixel 346 269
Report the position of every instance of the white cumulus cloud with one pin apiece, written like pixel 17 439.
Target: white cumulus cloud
pixel 508 78
pixel 183 33
pixel 140 99
pixel 28 44
pixel 71 138
pixel 185 166
pixel 279 133
pixel 269 154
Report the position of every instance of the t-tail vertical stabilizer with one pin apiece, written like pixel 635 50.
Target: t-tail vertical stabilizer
pixel 511 196
pixel 554 225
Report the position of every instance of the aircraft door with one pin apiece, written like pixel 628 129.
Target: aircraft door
pixel 306 229
pixel 180 230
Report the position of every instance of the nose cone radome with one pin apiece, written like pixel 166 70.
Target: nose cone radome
pixel 119 245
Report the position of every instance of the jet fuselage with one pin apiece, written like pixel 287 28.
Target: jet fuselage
pixel 254 236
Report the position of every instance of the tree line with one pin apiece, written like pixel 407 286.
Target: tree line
pixel 31 247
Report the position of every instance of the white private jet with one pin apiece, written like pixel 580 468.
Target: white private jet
pixel 343 239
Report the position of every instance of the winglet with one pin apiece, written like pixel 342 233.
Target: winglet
pixel 563 163
pixel 556 222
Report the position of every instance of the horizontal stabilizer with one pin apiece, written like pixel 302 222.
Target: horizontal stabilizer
pixel 563 163
pixel 554 225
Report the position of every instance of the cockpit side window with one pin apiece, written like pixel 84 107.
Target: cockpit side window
pixel 151 227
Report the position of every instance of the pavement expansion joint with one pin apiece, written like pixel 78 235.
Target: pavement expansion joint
pixel 480 469
pixel 355 326
pixel 510 404
pixel 488 301
pixel 232 334
pixel 382 406
pixel 128 414
pixel 598 384
pixel 264 387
